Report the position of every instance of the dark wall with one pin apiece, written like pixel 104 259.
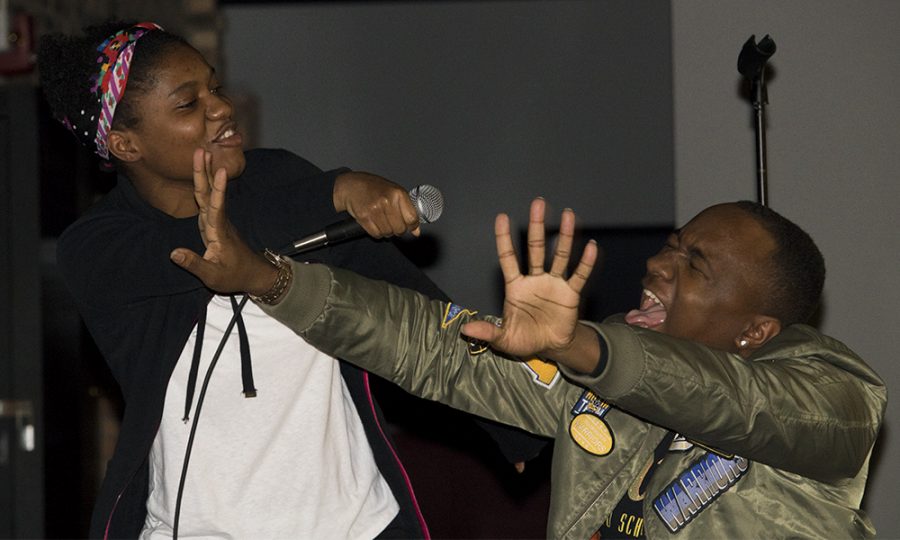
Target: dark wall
pixel 21 407
pixel 493 102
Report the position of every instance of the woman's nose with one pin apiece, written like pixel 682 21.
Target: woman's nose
pixel 218 108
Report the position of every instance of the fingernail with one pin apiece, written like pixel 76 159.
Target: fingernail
pixel 177 257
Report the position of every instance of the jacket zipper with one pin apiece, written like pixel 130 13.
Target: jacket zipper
pixel 409 487
pixel 116 504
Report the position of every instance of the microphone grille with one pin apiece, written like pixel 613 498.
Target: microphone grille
pixel 428 201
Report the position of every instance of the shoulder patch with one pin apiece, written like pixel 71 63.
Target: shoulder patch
pixel 453 312
pixel 588 429
pixel 542 372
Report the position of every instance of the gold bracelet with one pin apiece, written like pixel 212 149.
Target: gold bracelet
pixel 282 282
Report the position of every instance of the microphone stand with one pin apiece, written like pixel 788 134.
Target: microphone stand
pixel 752 64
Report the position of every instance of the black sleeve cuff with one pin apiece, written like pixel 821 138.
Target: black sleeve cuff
pixel 604 356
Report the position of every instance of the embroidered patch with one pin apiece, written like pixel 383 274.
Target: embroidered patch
pixel 590 403
pixel 475 346
pixel 696 488
pixel 542 372
pixel 592 434
pixel 588 429
pixel 453 312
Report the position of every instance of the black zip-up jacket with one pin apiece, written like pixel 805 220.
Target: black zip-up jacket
pixel 140 308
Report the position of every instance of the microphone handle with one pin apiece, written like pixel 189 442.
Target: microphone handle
pixel 343 230
pixel 335 232
pixel 426 199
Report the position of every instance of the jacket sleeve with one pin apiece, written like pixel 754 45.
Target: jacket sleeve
pixel 414 342
pixel 804 403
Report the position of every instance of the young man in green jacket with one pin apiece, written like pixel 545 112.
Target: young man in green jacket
pixel 711 411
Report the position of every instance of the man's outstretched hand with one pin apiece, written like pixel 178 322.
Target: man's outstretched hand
pixel 540 311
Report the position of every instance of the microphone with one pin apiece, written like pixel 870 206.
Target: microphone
pixel 427 200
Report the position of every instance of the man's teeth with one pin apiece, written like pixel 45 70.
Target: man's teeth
pixel 652 296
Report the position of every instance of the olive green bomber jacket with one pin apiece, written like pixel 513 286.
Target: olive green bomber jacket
pixel 792 427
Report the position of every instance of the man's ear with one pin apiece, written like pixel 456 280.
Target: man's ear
pixel 122 145
pixel 758 332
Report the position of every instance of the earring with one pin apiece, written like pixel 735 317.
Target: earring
pixel 742 343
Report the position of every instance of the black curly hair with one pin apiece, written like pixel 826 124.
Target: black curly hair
pixel 798 268
pixel 68 64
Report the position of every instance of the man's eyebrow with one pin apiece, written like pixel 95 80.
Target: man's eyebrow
pixel 694 251
pixel 698 253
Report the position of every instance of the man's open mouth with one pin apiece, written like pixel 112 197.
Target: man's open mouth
pixel 651 313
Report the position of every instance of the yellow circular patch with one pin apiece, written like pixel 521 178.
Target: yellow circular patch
pixel 592 434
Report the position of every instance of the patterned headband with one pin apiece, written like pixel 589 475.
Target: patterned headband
pixel 109 83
